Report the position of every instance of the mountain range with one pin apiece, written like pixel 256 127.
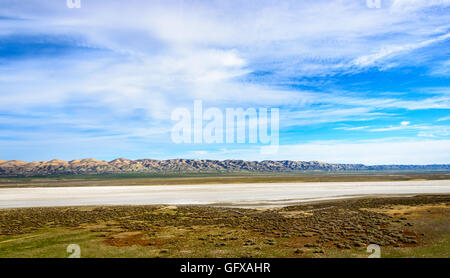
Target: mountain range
pixel 121 165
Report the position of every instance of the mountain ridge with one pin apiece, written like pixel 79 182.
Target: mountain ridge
pixel 122 165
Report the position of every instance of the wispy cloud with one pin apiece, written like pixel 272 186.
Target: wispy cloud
pixel 423 130
pixel 115 70
pixel 352 128
pixel 444 119
pixel 391 51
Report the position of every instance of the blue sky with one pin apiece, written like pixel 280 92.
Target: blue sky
pixel 353 84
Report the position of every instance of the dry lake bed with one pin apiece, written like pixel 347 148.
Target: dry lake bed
pixel 248 195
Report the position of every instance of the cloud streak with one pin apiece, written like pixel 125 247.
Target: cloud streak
pixel 115 70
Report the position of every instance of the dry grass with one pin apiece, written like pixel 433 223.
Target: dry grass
pixel 294 177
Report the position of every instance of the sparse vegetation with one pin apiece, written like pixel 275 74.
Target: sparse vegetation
pixel 402 226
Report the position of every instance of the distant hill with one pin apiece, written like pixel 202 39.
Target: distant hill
pixel 122 165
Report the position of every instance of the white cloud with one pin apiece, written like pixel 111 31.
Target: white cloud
pixel 425 134
pixel 441 69
pixel 411 5
pixel 416 152
pixel 165 55
pixel 366 152
pixel 351 128
pixel 424 130
pixel 405 123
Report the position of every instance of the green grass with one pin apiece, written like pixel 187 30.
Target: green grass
pixel 46 243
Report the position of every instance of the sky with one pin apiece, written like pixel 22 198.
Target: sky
pixel 354 83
